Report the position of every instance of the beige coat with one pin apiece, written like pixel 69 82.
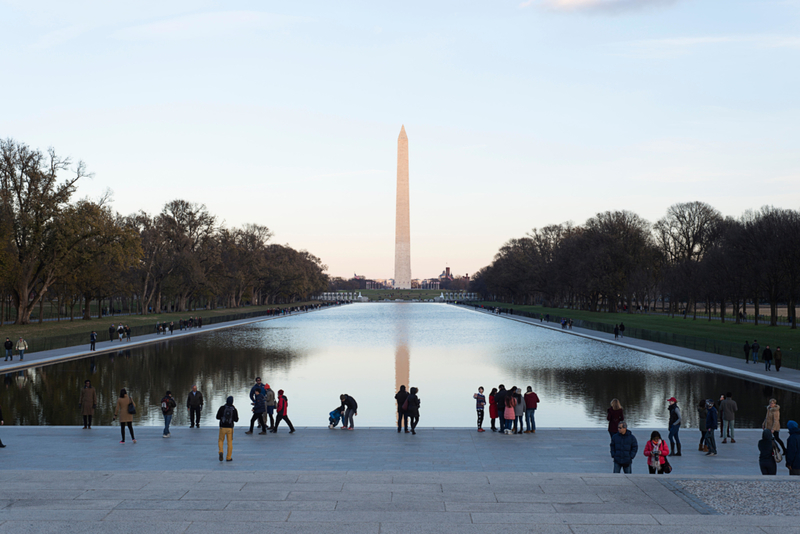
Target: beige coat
pixel 121 412
pixel 773 420
pixel 88 400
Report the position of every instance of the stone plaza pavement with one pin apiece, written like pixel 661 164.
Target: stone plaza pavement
pixel 65 479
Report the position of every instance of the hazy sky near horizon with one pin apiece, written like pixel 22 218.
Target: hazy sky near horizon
pixel 519 114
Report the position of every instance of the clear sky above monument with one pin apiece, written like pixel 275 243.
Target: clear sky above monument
pixel 522 113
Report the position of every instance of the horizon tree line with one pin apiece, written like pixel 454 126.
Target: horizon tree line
pixel 79 252
pixel 617 261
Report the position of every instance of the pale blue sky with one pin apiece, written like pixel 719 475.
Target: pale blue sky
pixel 519 114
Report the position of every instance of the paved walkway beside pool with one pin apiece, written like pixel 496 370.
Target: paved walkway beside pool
pixel 786 379
pixel 44 357
pixel 66 479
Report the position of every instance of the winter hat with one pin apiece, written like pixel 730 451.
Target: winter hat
pixel 791 425
pixel 229 401
pixel 266 386
pixel 280 392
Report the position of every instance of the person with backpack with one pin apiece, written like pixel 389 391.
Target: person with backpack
pixel 766 458
pixel 283 408
pixel 168 405
pixel 227 416
pixel 258 414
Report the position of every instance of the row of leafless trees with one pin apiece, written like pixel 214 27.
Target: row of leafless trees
pixel 77 252
pixel 618 261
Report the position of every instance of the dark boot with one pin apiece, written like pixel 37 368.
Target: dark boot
pixel 679 451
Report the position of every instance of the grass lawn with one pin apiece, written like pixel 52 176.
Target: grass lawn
pixel 66 327
pixel 781 336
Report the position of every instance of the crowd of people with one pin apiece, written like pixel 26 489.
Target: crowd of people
pixel 752 351
pixel 624 446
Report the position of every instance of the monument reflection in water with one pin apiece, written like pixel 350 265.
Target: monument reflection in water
pixel 368 351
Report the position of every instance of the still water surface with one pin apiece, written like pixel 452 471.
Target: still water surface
pixel 367 350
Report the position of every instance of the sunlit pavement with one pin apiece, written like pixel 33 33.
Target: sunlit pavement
pixel 66 479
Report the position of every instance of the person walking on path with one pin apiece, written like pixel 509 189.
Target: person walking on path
pixel 728 407
pixel 480 403
pixel 616 331
pixel 283 409
pixel 674 426
pixel 623 448
pixel 22 346
pixel 127 333
pixel 766 460
pixel 413 409
pixel 2 446
pixel 793 449
pixel 767 357
pixel 228 416
pixel 500 399
pixel 120 332
pixel 493 408
pixel 195 405
pixel 350 409
pixel 87 404
pixel 92 340
pixel 701 417
pixel 168 406
pixel 125 410
pixel 711 428
pixel 773 422
pixel 621 331
pixel 9 346
pixel 269 402
pixel 257 386
pixel 746 352
pixel 402 409
pixel 656 451
pixel 778 358
pixel 614 417
pixel 519 410
pixel 258 414
pixel 531 403
pixel 754 348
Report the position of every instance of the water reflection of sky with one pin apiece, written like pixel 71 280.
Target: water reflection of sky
pixel 367 350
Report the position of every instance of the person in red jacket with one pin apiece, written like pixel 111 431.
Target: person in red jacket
pixel 493 408
pixel 656 451
pixel 283 406
pixel 531 402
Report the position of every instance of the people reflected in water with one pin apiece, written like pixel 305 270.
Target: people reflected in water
pixel 402 409
pixel 413 409
pixel 87 404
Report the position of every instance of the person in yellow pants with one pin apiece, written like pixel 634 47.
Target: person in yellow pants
pixel 227 416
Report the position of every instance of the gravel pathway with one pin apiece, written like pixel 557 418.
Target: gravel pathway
pixel 751 497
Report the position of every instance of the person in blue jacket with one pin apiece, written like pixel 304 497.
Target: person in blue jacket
pixel 793 448
pixel 623 448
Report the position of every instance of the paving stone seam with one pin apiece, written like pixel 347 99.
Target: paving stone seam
pixel 691 499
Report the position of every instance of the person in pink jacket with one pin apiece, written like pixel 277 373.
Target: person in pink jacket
pixel 656 451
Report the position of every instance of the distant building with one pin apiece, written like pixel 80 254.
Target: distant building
pixel 430 283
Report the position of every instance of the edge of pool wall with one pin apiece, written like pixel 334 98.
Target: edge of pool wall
pixel 50 360
pixel 739 373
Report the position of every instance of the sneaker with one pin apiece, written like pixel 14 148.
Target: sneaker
pixel 292 431
pixel 264 433
pixel 164 435
pixel 134 441
pixel 169 435
pixel 123 442
pixel 344 428
pixel 249 432
pixel 220 457
pixel 481 430
pixel 351 428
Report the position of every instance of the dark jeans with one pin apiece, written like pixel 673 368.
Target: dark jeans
pixel 673 438
pixel 779 442
pixel 261 424
pixel 278 422
pixel 270 409
pixel 653 470
pixel 167 421
pixel 91 345
pixel 348 417
pixel 87 420
pixel 712 445
pixel 768 467
pixel 194 415
pixel 480 418
pixel 414 420
pixel 501 420
pixel 122 429
pixel 625 468
pixel 402 419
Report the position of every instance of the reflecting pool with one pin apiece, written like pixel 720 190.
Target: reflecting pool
pixel 367 351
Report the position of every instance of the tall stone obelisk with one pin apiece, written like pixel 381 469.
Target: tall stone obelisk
pixel 402 232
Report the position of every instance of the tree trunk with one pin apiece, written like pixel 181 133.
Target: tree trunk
pixel 756 307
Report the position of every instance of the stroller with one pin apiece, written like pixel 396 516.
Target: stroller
pixel 334 417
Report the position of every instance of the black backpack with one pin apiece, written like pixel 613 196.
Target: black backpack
pixel 227 415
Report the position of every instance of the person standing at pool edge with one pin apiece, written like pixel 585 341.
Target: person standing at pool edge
pixel 674 426
pixel 728 407
pixel 531 402
pixel 87 404
pixel 402 413
pixel 493 408
pixel 413 409
pixel 480 402
pixel 195 405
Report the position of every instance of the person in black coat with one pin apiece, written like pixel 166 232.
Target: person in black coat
pixel 765 459
pixel 413 409
pixel 623 448
pixel 402 415
pixel 349 408
pixel 500 400
pixel 793 448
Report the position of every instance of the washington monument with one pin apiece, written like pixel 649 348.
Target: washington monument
pixel 402 232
